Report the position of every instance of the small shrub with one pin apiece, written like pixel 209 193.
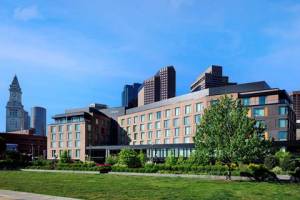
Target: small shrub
pixel 171 160
pixel 111 160
pixel 270 162
pixel 142 158
pixel 277 170
pixel 129 158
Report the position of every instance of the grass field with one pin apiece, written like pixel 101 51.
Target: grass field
pixel 128 187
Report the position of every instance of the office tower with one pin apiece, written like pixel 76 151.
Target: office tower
pixel 211 77
pixel 130 95
pixel 26 122
pixel 38 120
pixel 14 108
pixel 159 87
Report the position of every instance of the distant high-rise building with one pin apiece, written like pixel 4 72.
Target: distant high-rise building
pixel 130 95
pixel 14 108
pixel 159 87
pixel 38 120
pixel 26 122
pixel 212 77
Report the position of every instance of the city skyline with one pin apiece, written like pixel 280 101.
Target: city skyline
pixel 58 72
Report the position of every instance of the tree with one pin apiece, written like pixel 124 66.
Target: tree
pixel 227 135
pixel 65 157
pixel 129 158
pixel 142 158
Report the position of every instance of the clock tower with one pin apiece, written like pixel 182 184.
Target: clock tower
pixel 14 108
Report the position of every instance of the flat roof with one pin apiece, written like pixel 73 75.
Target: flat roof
pixel 245 87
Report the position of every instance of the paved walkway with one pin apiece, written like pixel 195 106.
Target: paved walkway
pixel 61 171
pixel 13 195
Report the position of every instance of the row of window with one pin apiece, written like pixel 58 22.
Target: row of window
pixel 69 120
pixel 261 101
pixel 158 133
pixel 54 153
pixel 166 124
pixel 167 114
pixel 61 136
pixel 69 128
pixel 69 144
pixel 260 112
pixel 164 141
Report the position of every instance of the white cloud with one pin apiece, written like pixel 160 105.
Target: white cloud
pixel 26 13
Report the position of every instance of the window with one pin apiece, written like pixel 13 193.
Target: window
pixel 53 153
pixel 157 125
pixel 176 122
pixel 69 127
pixel 158 134
pixel 259 112
pixel 177 111
pixel 282 123
pixel 77 153
pixel 176 132
pixel 60 129
pixel 167 113
pixel 167 133
pixel 77 127
pixel 186 121
pixel 69 144
pixel 142 118
pixel 282 135
pixel 128 121
pixel 157 141
pixel 141 142
pixel 134 128
pixel 167 123
pixel 197 119
pixel 149 142
pixel 61 136
pixel 135 119
pixel 186 140
pixel 53 144
pixel 158 115
pixel 77 143
pixel 150 116
pixel 142 135
pixel 52 129
pixel 214 102
pixel 60 144
pixel 260 123
pixel 246 101
pixel 176 140
pixel 142 127
pixel 199 107
pixel 150 135
pixel 69 136
pixel 283 110
pixel 53 136
pixel 149 126
pixel 135 136
pixel 187 109
pixel 187 130
pixel 167 141
pixel 77 135
pixel 122 122
pixel 128 130
pixel 262 100
pixel 70 153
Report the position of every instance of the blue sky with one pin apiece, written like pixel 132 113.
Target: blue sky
pixel 68 54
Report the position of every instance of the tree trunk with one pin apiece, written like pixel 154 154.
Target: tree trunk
pixel 228 176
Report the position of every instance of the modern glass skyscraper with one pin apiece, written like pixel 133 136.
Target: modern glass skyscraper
pixel 130 95
pixel 38 120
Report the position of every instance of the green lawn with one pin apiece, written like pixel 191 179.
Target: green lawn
pixel 127 187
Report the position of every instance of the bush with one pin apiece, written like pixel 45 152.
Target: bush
pixel 277 170
pixel 284 159
pixel 142 158
pixel 270 162
pixel 129 158
pixel 180 160
pixel 171 160
pixel 259 173
pixel 111 160
pixel 65 157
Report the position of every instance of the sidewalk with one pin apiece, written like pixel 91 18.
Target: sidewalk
pixel 13 195
pixel 60 171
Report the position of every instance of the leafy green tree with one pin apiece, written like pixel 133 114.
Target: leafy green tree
pixel 284 159
pixel 129 158
pixel 65 157
pixel 226 134
pixel 171 160
pixel 142 158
